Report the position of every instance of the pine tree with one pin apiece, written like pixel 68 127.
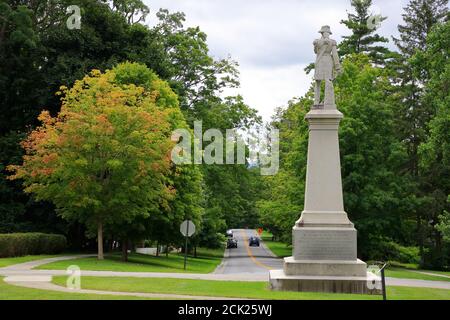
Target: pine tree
pixel 413 112
pixel 364 38
pixel 419 17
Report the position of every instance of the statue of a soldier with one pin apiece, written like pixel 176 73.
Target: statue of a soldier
pixel 327 67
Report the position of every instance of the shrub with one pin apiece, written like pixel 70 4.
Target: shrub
pixel 21 244
pixel 384 249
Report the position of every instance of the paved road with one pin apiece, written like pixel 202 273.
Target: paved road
pixel 248 260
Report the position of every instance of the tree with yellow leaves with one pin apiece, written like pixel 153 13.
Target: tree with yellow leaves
pixel 103 159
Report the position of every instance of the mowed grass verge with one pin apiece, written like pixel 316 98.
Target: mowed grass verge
pixel 395 272
pixel 237 289
pixel 280 249
pixel 207 260
pixel 11 292
pixel 5 262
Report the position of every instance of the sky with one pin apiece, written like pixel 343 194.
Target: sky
pixel 271 39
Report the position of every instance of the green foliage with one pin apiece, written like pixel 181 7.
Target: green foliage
pixel 433 153
pixel 134 11
pixel 102 160
pixel 444 225
pixel 374 196
pixel 206 261
pixel 386 250
pixel 21 244
pixel 419 17
pixel 48 55
pixel 364 38
pixel 282 195
pixel 11 206
pixel 19 74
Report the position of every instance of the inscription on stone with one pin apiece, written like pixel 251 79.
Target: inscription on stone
pixel 325 244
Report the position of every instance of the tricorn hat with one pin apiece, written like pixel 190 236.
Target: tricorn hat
pixel 325 29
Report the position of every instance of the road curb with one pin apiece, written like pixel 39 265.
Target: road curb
pixel 222 264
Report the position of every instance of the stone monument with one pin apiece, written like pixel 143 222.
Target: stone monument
pixel 324 239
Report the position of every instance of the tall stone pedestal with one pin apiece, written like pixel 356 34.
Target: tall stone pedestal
pixel 324 240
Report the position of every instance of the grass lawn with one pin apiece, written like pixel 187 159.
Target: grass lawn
pixel 4 262
pixel 207 260
pixel 411 274
pixel 445 273
pixel 236 289
pixel 280 249
pixel 10 292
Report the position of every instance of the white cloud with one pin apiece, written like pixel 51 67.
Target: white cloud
pixel 266 89
pixel 271 39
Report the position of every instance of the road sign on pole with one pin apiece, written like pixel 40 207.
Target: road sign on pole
pixel 187 229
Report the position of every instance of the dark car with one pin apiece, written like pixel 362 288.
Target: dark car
pixel 231 243
pixel 229 233
pixel 253 241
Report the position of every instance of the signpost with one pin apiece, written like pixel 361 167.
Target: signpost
pixel 383 281
pixel 187 229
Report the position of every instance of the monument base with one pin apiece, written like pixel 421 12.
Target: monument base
pixel 324 243
pixel 313 274
pixel 368 284
pixel 332 268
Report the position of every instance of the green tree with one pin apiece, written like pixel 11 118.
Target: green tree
pixel 375 197
pixel 413 111
pixel 364 38
pixel 444 224
pixel 185 200
pixel 102 159
pixel 193 74
pixel 134 11
pixel 419 17
pixel 434 155
pixel 282 195
pixel 19 70
pixel 39 54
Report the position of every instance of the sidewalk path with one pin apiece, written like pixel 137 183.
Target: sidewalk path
pixel 41 279
pixel 432 274
pixel 53 287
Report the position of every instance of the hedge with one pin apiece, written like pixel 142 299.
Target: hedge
pixel 388 250
pixel 22 244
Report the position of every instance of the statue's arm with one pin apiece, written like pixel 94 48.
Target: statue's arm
pixel 337 63
pixel 315 43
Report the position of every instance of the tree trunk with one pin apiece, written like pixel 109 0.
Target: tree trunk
pixel 110 244
pixel 157 248
pixel 167 250
pixel 125 250
pixel 195 251
pixel 100 240
pixel 420 239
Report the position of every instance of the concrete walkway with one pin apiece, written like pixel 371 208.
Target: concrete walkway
pixel 53 287
pixel 432 274
pixel 25 276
